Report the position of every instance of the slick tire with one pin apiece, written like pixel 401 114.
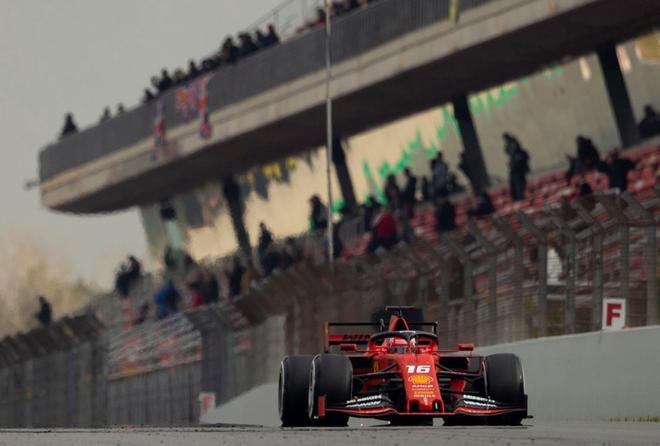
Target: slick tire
pixel 505 383
pixel 292 390
pixel 331 376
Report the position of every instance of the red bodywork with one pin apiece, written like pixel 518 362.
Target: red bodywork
pixel 399 372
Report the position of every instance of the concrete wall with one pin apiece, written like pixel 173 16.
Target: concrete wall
pixel 594 376
pixel 591 376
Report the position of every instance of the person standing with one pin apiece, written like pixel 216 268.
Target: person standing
pixel 45 314
pixel 440 175
pixel 518 166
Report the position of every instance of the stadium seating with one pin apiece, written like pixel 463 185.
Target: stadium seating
pixel 546 189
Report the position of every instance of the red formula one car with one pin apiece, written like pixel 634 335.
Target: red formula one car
pixel 399 374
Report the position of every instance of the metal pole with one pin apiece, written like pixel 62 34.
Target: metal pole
pixel 328 124
pixel 542 267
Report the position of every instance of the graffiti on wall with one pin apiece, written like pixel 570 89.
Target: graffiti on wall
pixel 420 149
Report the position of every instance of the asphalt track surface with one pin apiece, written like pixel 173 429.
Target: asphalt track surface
pixel 586 434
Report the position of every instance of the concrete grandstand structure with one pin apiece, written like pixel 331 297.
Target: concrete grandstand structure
pixel 266 123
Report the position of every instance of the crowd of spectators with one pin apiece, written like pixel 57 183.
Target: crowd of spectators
pixel 386 220
pixel 230 52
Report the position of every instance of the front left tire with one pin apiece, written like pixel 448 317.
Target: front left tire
pixel 292 390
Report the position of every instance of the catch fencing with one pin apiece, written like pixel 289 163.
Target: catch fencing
pixel 498 279
pixel 53 376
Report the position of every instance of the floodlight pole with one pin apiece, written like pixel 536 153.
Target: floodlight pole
pixel 328 124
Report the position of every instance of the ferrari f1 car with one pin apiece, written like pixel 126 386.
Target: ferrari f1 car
pixel 399 374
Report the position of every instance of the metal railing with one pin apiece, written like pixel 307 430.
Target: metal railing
pixel 353 34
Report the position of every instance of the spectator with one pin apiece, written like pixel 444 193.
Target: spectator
pixel 261 39
pixel 408 196
pixel 69 126
pixel 385 231
pixel 228 52
pixel 392 192
pixel 518 166
pixel 272 38
pixel 165 82
pixel 196 295
pixel 173 299
pixel 371 208
pixel 211 288
pixel 120 109
pixel 235 276
pixel 650 124
pixel 587 158
pixel 180 77
pixel 483 206
pixel 270 260
pixel 148 96
pixel 319 214
pixel 247 45
pixel 445 214
pixel 193 71
pixel 122 281
pixel 133 270
pixel 162 298
pixel 106 115
pixel 320 18
pixel 45 314
pixel 616 169
pixel 439 175
pixel 265 238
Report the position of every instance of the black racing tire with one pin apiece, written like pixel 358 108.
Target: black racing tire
pixel 505 383
pixel 292 391
pixel 332 376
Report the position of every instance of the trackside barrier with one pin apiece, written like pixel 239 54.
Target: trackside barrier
pixel 52 376
pixel 503 279
pixel 153 373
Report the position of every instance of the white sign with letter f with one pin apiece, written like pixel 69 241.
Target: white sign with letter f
pixel 614 314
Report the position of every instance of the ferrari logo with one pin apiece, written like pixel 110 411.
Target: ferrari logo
pixel 420 379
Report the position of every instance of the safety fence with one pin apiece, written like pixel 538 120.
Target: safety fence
pixel 498 279
pixel 53 376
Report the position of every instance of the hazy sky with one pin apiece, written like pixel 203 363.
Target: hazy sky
pixel 79 56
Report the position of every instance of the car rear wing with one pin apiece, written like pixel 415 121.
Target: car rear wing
pixel 338 339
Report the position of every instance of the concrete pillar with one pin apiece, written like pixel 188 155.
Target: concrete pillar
pixel 618 95
pixel 343 174
pixel 473 158
pixel 232 193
